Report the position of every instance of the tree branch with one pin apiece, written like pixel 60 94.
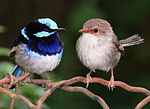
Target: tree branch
pixel 94 80
pixel 65 86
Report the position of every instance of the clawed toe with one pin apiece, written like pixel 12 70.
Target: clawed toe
pixel 26 81
pixel 48 86
pixel 88 79
pixel 111 84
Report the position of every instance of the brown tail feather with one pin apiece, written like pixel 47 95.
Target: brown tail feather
pixel 133 40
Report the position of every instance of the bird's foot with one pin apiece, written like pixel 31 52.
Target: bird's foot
pixel 12 81
pixel 111 84
pixel 25 81
pixel 88 79
pixel 48 86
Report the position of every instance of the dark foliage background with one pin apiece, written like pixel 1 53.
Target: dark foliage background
pixel 127 17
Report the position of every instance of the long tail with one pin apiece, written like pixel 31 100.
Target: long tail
pixel 130 41
pixel 16 71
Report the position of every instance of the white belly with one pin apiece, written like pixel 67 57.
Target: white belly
pixel 94 55
pixel 35 63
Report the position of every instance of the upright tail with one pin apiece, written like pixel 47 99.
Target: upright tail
pixel 133 40
pixel 16 71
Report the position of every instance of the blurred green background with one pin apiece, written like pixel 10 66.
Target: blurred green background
pixel 127 17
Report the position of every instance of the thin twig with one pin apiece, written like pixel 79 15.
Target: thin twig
pixel 20 78
pixel 16 92
pixel 122 85
pixel 12 95
pixel 49 92
pixel 88 93
pixel 143 103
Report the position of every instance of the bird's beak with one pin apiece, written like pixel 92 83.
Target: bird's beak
pixel 60 29
pixel 84 30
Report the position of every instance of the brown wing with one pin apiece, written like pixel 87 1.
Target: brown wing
pixel 13 52
pixel 118 44
pixel 17 44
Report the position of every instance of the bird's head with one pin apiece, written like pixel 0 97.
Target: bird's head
pixel 40 28
pixel 96 27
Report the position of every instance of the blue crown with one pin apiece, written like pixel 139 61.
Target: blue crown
pixel 48 22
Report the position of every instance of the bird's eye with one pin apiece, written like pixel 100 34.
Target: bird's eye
pixel 95 30
pixel 46 29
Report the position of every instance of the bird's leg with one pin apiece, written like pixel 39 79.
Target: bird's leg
pixel 12 81
pixel 49 84
pixel 111 82
pixel 47 77
pixel 88 78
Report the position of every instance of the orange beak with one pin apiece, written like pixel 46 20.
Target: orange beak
pixel 84 31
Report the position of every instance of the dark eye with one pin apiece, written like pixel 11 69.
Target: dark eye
pixel 95 30
pixel 46 29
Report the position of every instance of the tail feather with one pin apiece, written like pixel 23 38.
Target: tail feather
pixel 133 40
pixel 16 71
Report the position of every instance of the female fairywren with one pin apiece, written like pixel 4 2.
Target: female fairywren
pixel 99 49
pixel 38 47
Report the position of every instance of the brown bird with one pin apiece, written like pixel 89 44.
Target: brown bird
pixel 99 49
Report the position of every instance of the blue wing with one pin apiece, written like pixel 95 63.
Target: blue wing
pixel 17 71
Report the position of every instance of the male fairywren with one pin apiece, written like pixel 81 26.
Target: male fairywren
pixel 99 49
pixel 37 48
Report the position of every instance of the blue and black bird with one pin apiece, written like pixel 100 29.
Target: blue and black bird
pixel 37 48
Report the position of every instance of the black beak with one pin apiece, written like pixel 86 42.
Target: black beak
pixel 56 30
pixel 59 29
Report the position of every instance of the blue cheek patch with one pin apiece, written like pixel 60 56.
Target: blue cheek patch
pixel 24 34
pixel 48 22
pixel 43 34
